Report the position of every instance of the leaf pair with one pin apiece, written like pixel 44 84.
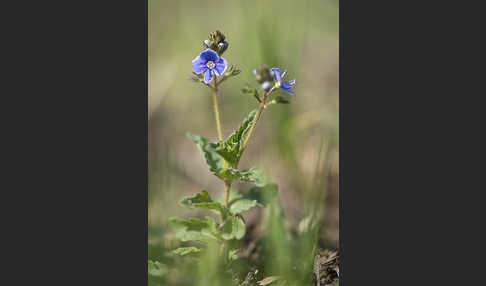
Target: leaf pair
pixel 230 150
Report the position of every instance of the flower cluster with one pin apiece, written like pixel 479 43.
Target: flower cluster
pixel 272 78
pixel 209 64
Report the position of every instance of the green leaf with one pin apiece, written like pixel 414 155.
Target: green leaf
pixel 182 251
pixel 193 229
pixel 214 151
pixel 263 195
pixel 230 149
pixel 208 149
pixel 213 225
pixel 242 205
pixel 213 206
pixel 202 197
pixel 157 269
pixel 202 200
pixel 250 175
pixel 233 228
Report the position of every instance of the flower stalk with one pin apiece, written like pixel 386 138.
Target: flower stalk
pixel 216 109
pixel 257 118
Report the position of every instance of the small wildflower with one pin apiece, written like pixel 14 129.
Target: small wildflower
pixel 207 62
pixel 286 86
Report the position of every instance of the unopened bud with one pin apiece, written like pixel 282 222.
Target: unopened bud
pixel 266 86
pixel 262 74
pixel 217 42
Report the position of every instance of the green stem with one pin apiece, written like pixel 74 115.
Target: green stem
pixel 226 193
pixel 259 114
pixel 216 111
pixel 220 136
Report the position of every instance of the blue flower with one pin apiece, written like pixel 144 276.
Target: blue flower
pixel 207 62
pixel 286 86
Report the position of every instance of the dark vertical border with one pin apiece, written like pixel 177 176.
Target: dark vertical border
pixel 77 154
pixel 404 142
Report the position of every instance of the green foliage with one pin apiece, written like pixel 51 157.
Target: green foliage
pixel 202 197
pixel 242 205
pixel 259 195
pixel 203 200
pixel 233 228
pixel 208 149
pixel 193 229
pixel 250 175
pixel 264 194
pixel 230 149
pixel 182 251
pixel 157 269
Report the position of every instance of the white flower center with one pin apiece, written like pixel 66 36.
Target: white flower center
pixel 210 64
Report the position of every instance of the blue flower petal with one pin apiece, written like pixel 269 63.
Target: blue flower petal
pixel 220 66
pixel 209 55
pixel 284 73
pixel 208 76
pixel 287 90
pixel 287 86
pixel 277 74
pixel 199 65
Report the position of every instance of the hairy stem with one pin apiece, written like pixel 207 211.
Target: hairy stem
pixel 220 136
pixel 216 109
pixel 226 193
pixel 259 114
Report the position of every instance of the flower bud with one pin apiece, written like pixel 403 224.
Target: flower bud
pixel 217 42
pixel 262 74
pixel 266 86
pixel 222 47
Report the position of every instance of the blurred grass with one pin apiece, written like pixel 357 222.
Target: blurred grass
pixel 295 145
